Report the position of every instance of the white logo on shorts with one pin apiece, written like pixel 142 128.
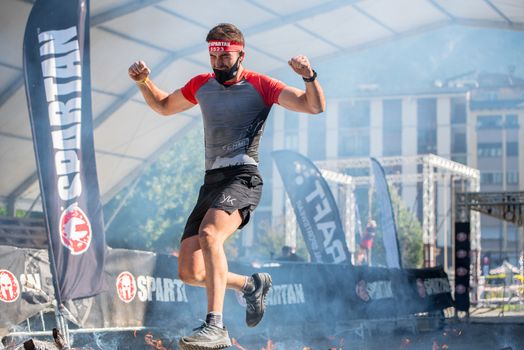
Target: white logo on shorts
pixel 227 199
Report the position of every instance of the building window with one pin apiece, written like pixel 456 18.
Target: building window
pixel 458 110
pixel 458 142
pixel 489 122
pixel 291 126
pixel 427 141
pixel 426 125
pixel 491 178
pixel 353 129
pixel 392 127
pixel 354 143
pixel 513 233
pixel 512 122
pixel 512 177
pixel 460 158
pixel 354 114
pixel 316 131
pixel 489 149
pixel 512 149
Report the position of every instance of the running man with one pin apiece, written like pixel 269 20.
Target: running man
pixel 235 103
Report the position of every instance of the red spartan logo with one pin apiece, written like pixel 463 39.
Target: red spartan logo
pixel 126 286
pixel 9 288
pixel 75 230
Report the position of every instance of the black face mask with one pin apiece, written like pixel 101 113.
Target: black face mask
pixel 224 75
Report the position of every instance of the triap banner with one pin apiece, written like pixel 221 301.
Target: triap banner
pixel 58 89
pixel 145 290
pixel 386 219
pixel 315 208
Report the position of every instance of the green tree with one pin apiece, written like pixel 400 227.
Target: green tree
pixel 409 232
pixel 155 213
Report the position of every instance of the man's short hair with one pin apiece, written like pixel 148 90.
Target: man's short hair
pixel 225 31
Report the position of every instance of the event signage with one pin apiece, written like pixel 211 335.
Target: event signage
pixel 58 90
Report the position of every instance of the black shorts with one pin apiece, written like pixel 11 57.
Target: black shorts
pixel 229 189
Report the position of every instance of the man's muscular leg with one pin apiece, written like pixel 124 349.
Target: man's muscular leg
pixel 191 268
pixel 202 262
pixel 205 252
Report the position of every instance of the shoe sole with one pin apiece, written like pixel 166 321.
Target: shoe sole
pixel 268 282
pixel 185 346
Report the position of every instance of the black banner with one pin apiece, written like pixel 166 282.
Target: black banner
pixel 146 291
pixel 25 285
pixel 315 208
pixel 462 265
pixel 58 89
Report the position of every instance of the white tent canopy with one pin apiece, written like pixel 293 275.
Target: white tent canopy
pixel 169 35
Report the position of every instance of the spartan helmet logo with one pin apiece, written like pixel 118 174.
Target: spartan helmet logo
pixel 126 286
pixel 75 230
pixel 9 289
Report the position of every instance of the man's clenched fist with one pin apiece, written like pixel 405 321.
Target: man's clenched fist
pixel 139 71
pixel 301 66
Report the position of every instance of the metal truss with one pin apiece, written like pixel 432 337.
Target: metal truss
pixel 506 206
pixel 434 170
pixel 290 224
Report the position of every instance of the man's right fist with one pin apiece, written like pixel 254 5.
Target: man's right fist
pixel 138 71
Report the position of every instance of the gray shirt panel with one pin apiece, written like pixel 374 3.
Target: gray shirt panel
pixel 234 118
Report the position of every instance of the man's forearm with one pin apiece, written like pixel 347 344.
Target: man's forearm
pixel 153 96
pixel 315 96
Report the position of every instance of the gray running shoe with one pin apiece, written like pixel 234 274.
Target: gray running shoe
pixel 256 300
pixel 206 337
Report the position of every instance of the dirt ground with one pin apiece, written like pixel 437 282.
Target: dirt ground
pixel 485 330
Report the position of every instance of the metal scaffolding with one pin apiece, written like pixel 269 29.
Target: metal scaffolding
pixel 346 203
pixel 430 170
pixel 506 206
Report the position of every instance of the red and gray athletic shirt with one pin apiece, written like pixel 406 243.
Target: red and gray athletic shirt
pixel 234 115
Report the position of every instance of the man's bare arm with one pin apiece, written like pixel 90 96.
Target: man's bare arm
pixel 159 100
pixel 312 100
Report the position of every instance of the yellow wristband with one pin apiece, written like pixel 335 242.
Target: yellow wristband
pixel 143 81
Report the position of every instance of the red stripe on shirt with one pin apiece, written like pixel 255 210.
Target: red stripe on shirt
pixel 267 87
pixel 190 89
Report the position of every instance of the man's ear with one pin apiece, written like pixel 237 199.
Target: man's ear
pixel 242 53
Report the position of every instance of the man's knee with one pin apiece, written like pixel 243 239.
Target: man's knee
pixel 191 275
pixel 208 237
